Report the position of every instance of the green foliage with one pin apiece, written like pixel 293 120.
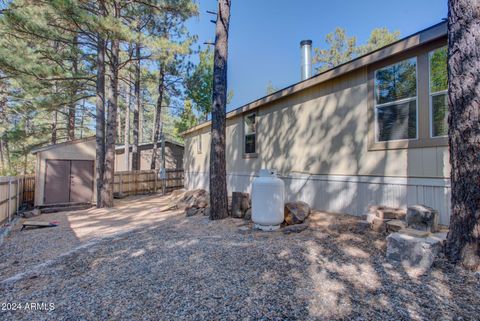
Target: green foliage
pixel 187 118
pixel 438 70
pixel 199 84
pixel 270 88
pixel 341 48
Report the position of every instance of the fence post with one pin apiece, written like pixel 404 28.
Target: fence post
pixel 18 195
pixel 155 173
pixel 9 207
pixel 120 184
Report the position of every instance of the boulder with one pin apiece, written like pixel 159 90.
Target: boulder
pixel 194 198
pixel 387 213
pixel 395 225
pixel 207 211
pixel 32 213
pixel 361 227
pixel 423 218
pixel 191 211
pixel 415 254
pixel 240 204
pixel 294 228
pixel 379 225
pixel 296 212
pixel 248 214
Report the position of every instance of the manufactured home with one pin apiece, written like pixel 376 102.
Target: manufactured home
pixel 65 172
pixel 370 131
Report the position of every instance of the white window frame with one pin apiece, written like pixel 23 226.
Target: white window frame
pixel 245 134
pixel 431 95
pixel 396 102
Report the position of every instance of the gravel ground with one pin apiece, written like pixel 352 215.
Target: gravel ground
pixel 179 268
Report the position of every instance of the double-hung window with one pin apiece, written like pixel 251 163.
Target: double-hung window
pixel 396 101
pixel 249 128
pixel 438 92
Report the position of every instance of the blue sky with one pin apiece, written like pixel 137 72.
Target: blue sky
pixel 265 34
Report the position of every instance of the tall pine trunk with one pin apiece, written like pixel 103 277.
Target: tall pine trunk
pixel 127 128
pixel 218 175
pixel 111 132
pixel 73 97
pixel 136 112
pixel 463 240
pixel 158 115
pixel 100 112
pixel 53 127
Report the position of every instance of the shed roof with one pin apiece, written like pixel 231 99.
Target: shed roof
pixel 424 36
pixel 63 144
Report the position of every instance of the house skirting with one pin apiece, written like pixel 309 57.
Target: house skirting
pixel 347 194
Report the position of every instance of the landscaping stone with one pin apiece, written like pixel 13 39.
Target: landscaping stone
pixel 191 211
pixel 378 225
pixel 415 254
pixel 194 198
pixel 296 212
pixel 362 227
pixel 206 212
pixel 294 228
pixel 423 218
pixel 395 226
pixel 415 233
pixel 240 203
pixel 248 214
pixel 386 212
pixel 32 213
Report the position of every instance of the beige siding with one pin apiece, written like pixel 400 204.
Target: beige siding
pixel 173 158
pixel 319 131
pixel 84 150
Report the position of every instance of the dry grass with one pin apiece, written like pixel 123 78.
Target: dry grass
pixel 140 263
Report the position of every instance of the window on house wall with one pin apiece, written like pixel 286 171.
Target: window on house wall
pixel 396 101
pixel 438 92
pixel 199 144
pixel 249 127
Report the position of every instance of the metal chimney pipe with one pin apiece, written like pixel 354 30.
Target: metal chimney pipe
pixel 306 52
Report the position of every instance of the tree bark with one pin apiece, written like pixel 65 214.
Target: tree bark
pixel 463 240
pixel 136 112
pixel 100 112
pixel 127 129
pixel 158 115
pixel 218 175
pixel 53 126
pixel 73 102
pixel 111 132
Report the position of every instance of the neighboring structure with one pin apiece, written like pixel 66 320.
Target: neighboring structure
pixel 65 172
pixel 370 131
pixel 173 156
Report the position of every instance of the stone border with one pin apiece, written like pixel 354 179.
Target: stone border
pixel 7 229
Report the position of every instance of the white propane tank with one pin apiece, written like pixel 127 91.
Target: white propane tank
pixel 267 200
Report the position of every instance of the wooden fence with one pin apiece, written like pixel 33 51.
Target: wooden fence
pixel 15 191
pixel 146 181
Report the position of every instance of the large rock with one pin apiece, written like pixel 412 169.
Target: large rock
pixel 194 198
pixel 248 214
pixel 415 254
pixel 386 212
pixel 423 218
pixel 296 212
pixel 240 204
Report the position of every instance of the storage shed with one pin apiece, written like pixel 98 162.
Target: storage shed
pixel 65 172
